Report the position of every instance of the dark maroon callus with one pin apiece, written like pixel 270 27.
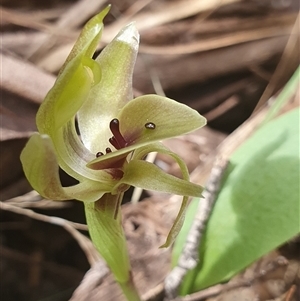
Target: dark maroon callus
pixel 150 126
pixel 117 140
pixel 99 154
pixel 116 174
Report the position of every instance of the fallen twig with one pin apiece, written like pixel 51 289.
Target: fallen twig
pixel 189 257
pixel 91 280
pixel 85 244
pixel 24 79
pixel 220 288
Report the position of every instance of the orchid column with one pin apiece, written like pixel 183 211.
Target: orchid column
pixel 116 133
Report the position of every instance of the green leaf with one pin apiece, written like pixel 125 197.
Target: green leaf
pixel 257 209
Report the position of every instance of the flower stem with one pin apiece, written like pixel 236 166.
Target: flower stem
pixel 129 290
pixel 106 231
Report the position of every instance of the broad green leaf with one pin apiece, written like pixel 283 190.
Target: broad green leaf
pixel 257 209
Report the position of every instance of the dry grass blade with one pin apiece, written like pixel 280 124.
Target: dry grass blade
pixel 132 11
pixel 203 66
pixel 26 20
pixel 220 288
pixel 210 44
pixel 73 17
pixel 222 108
pixel 166 13
pixel 33 200
pixel 189 257
pixel 79 12
pixel 91 281
pixel 285 68
pixel 229 145
pixel 20 42
pixel 33 87
pixel 85 244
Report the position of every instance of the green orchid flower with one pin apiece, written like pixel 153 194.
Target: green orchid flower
pixel 116 132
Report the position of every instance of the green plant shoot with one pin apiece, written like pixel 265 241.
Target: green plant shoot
pixel 116 133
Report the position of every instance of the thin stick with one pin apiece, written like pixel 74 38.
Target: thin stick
pixel 91 282
pixel 85 244
pixel 221 288
pixel 189 257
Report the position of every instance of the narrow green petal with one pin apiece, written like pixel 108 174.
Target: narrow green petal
pixel 112 93
pixel 146 175
pixel 160 148
pixel 42 171
pixel 141 152
pixel 87 191
pixel 89 37
pixel 73 156
pixel 41 168
pixel 169 118
pixel 74 81
pixel 67 95
pixel 177 225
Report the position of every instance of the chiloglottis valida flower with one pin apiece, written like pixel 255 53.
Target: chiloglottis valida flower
pixel 116 132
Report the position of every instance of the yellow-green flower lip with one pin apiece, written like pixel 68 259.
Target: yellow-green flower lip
pixel 167 117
